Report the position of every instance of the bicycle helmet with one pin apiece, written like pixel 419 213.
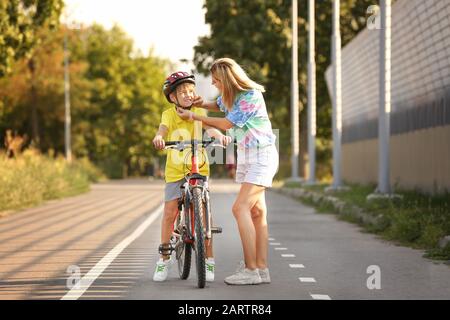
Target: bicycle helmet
pixel 174 80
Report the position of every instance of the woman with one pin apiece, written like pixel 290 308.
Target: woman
pixel 247 120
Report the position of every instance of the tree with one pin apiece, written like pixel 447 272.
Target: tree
pixel 34 97
pixel 258 35
pixel 20 21
pixel 116 98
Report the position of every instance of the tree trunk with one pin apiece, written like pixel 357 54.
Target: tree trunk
pixel 303 156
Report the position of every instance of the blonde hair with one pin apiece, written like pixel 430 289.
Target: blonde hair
pixel 233 79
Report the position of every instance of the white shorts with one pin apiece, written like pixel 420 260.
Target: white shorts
pixel 257 165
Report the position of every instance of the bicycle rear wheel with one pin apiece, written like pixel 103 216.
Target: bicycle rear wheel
pixel 199 237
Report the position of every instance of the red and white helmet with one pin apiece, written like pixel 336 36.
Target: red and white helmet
pixel 174 80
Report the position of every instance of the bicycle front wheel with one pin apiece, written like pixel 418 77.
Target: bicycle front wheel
pixel 199 237
pixel 183 251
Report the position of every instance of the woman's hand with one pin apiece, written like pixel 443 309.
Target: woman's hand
pixel 197 102
pixel 158 142
pixel 185 114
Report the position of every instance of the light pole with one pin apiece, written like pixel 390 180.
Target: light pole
pixel 383 190
pixel 311 94
pixel 67 122
pixel 384 127
pixel 67 118
pixel 337 95
pixel 294 96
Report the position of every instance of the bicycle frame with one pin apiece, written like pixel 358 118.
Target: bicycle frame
pixel 194 222
pixel 194 180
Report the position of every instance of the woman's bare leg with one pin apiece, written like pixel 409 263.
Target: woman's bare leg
pixel 259 217
pixel 248 196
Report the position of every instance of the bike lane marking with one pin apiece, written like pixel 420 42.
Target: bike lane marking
pixel 300 266
pixel 320 297
pixel 296 266
pixel 80 288
pixel 307 279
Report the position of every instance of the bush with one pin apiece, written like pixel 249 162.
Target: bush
pixel 32 178
pixel 405 227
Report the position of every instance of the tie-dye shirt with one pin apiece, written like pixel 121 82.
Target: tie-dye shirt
pixel 252 127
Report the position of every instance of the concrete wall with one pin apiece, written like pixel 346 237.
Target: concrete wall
pixel 419 160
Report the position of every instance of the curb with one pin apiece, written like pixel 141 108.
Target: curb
pixel 341 207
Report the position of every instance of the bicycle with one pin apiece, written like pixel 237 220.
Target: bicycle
pixel 189 232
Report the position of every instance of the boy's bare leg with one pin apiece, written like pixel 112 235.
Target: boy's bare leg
pixel 170 214
pixel 208 243
pixel 209 249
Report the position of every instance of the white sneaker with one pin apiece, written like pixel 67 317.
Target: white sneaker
pixel 210 266
pixel 162 270
pixel 240 267
pixel 264 274
pixel 244 277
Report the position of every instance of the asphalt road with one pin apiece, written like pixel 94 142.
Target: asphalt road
pixel 108 239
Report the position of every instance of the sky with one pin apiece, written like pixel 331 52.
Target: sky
pixel 171 27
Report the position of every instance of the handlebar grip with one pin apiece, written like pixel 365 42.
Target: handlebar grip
pixel 171 143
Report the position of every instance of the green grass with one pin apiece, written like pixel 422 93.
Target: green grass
pixel 418 220
pixel 32 178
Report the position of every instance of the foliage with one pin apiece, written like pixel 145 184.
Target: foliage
pixel 125 103
pixel 20 22
pixel 116 99
pixel 258 35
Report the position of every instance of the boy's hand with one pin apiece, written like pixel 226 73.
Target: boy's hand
pixel 158 142
pixel 197 102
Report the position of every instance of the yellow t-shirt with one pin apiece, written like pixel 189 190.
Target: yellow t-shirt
pixel 178 164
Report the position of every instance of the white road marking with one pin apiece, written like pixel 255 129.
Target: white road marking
pixel 300 266
pixel 320 297
pixel 77 291
pixel 307 279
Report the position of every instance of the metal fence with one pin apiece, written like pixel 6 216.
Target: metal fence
pixel 420 72
pixel 420 98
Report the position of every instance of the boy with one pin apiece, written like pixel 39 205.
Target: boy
pixel 179 89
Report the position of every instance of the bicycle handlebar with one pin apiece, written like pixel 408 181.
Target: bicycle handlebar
pixel 181 145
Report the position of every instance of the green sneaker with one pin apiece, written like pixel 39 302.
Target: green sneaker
pixel 161 270
pixel 210 266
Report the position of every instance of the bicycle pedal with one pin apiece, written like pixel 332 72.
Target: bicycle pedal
pixel 216 230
